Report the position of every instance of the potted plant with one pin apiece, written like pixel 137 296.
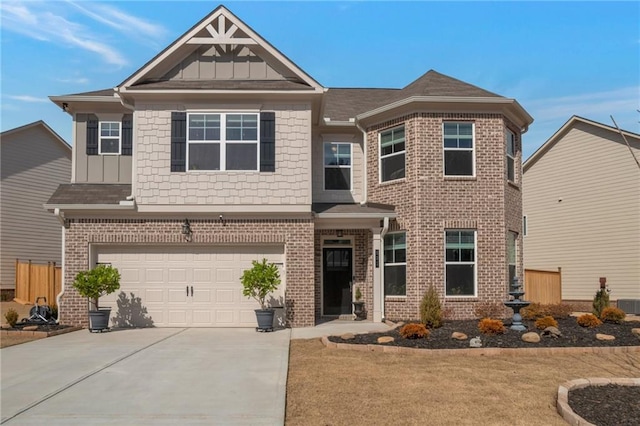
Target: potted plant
pixel 358 305
pixel 94 283
pixel 258 282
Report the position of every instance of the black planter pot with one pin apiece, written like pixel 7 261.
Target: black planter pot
pixel 265 319
pixel 99 320
pixel 358 310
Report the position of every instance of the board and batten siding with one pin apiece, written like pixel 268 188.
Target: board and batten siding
pixel 33 163
pixel 582 202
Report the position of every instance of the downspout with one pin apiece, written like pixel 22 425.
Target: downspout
pixel 364 171
pixel 127 105
pixel 383 232
pixel 60 216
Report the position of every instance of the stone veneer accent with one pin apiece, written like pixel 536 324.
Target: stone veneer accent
pixel 428 203
pixel 290 184
pixel 295 234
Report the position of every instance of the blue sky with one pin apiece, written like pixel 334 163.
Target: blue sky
pixel 556 58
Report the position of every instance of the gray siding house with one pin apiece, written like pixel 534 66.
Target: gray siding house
pixel 384 190
pixel 35 160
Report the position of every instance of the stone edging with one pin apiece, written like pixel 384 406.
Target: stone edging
pixel 39 334
pixel 481 351
pixel 563 395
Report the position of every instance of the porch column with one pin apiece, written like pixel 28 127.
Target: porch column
pixel 378 262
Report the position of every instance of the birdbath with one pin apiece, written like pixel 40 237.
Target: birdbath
pixel 516 304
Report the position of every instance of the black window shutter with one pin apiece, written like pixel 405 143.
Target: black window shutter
pixel 92 135
pixel 267 141
pixel 127 134
pixel 178 141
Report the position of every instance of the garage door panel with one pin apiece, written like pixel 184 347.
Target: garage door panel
pixel 177 318
pixel 177 275
pixel 225 317
pixel 202 296
pixel 201 275
pixel 154 275
pixel 177 295
pixel 154 296
pixel 202 317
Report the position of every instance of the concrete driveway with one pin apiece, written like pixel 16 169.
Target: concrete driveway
pixel 147 376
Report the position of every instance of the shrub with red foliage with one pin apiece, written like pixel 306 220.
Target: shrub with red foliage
pixel 612 314
pixel 589 320
pixel 544 322
pixel 414 331
pixel 491 326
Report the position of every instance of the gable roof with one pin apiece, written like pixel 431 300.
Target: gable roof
pixel 44 125
pixel 533 158
pixel 219 28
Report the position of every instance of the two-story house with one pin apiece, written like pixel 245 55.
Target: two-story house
pixel 220 150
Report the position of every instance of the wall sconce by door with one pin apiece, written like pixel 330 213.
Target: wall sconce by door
pixel 186 230
pixel 339 233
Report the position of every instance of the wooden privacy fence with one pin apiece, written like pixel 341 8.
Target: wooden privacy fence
pixel 38 280
pixel 543 286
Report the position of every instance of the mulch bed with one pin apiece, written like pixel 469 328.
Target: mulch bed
pixel 610 405
pixel 573 335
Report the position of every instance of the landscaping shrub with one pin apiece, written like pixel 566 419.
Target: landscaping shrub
pixel 600 301
pixel 491 326
pixel 431 309
pixel 414 331
pixel 611 314
pixel 544 322
pixel 11 316
pixel 589 320
pixel 533 311
pixel 488 310
pixel 54 311
pixel 539 310
pixel 559 310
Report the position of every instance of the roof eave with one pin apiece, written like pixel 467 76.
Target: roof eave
pixel 311 91
pixel 85 207
pixel 381 215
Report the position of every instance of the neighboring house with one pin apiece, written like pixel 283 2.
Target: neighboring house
pixel 34 161
pixel 582 206
pixel 222 134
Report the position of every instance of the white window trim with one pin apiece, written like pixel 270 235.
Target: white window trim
pixel 100 137
pixel 475 263
pixel 512 157
pixel 380 156
pixel 223 140
pixel 350 166
pixel 384 264
pixel 473 149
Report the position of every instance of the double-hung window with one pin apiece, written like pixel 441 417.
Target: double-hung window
pixel 337 166
pixel 458 149
pixel 512 250
pixel 511 155
pixel 395 264
pixel 222 141
pixel 109 132
pixel 392 154
pixel 460 262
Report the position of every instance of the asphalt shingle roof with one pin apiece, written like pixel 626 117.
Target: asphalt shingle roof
pixel 88 193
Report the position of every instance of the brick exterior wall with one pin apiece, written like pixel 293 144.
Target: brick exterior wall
pixel 428 203
pixel 295 234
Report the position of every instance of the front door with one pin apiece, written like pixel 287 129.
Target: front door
pixel 337 278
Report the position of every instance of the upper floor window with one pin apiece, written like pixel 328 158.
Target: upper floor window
pixel 222 141
pixel 460 262
pixel 109 137
pixel 458 149
pixel 337 166
pixel 395 264
pixel 512 251
pixel 511 155
pixel 392 154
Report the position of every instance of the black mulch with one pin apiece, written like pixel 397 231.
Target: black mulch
pixel 573 335
pixel 610 405
pixel 41 326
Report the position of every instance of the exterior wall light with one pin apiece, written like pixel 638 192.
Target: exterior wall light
pixel 186 230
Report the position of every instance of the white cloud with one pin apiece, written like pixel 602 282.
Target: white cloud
pixel 28 98
pixel 73 80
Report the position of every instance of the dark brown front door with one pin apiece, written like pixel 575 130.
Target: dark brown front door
pixel 337 276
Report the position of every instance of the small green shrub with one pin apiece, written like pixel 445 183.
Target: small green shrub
pixel 600 301
pixel 260 280
pixel 589 320
pixel 97 282
pixel 431 309
pixel 611 314
pixel 488 310
pixel 491 326
pixel 11 316
pixel 544 322
pixel 414 331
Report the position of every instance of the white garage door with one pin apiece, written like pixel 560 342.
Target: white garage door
pixel 194 286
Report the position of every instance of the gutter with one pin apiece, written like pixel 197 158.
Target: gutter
pixel 60 216
pixel 129 200
pixel 385 229
pixel 364 161
pixel 122 206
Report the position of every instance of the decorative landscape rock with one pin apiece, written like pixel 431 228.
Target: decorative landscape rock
pixel 348 336
pixel 636 332
pixel 551 332
pixel 458 336
pixel 601 336
pixel 6 326
pixel 385 339
pixel 476 342
pixel 531 337
pixel 30 328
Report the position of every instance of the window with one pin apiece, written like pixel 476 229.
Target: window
pixel 511 155
pixel 524 225
pixel 109 137
pixel 458 149
pixel 512 250
pixel 392 154
pixel 337 166
pixel 460 263
pixel 222 141
pixel 395 264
